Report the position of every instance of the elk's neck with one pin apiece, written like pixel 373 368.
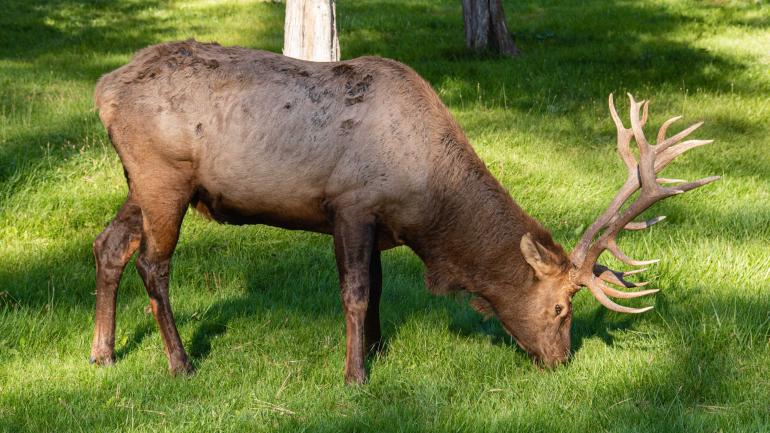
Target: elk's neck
pixel 472 239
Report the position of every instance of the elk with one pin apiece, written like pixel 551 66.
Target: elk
pixel 363 150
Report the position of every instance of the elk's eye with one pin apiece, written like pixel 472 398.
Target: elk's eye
pixel 558 309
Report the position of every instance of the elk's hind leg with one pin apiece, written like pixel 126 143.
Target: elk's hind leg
pixel 160 231
pixel 112 250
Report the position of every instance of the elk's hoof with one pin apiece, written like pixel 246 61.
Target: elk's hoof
pixel 352 379
pixel 185 369
pixel 101 360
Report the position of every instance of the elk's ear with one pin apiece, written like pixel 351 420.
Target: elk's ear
pixel 482 306
pixel 542 260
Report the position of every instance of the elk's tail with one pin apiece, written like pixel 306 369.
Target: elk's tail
pixel 105 97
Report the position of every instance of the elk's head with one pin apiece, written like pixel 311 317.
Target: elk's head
pixel 539 315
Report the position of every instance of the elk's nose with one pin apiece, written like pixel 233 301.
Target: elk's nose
pixel 552 361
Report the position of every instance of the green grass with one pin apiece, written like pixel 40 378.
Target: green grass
pixel 258 308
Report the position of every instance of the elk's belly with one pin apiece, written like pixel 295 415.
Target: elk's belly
pixel 275 208
pixel 290 213
pixel 309 216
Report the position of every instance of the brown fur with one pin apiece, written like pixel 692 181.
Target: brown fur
pixel 361 149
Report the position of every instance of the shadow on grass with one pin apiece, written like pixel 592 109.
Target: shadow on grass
pixel 571 51
pixel 310 294
pixel 133 342
pixel 707 382
pixel 39 28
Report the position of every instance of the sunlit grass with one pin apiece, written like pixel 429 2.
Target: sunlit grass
pixel 258 308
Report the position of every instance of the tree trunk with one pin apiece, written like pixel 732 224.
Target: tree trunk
pixel 485 27
pixel 310 31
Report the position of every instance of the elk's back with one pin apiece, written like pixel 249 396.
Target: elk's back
pixel 266 138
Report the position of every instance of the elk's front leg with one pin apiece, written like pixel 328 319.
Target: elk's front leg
pixel 372 322
pixel 353 246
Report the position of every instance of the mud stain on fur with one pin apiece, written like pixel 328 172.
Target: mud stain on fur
pixel 347 126
pixel 354 93
pixel 342 70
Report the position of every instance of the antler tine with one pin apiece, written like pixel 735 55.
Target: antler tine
pixel 664 128
pixel 602 234
pixel 645 106
pixel 665 157
pixel 644 224
pixel 612 247
pixel 598 289
pixel 616 278
pixel 697 184
pixel 632 272
pixel 606 274
pixel 667 180
pixel 636 122
pixel 624 138
pixel 614 114
pixel 646 152
pixel 609 291
pixel 676 138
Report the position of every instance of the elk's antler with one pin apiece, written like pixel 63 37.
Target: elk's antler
pixel 601 235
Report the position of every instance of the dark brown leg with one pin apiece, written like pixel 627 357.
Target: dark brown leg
pixel 160 235
pixel 372 322
pixel 353 246
pixel 112 250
